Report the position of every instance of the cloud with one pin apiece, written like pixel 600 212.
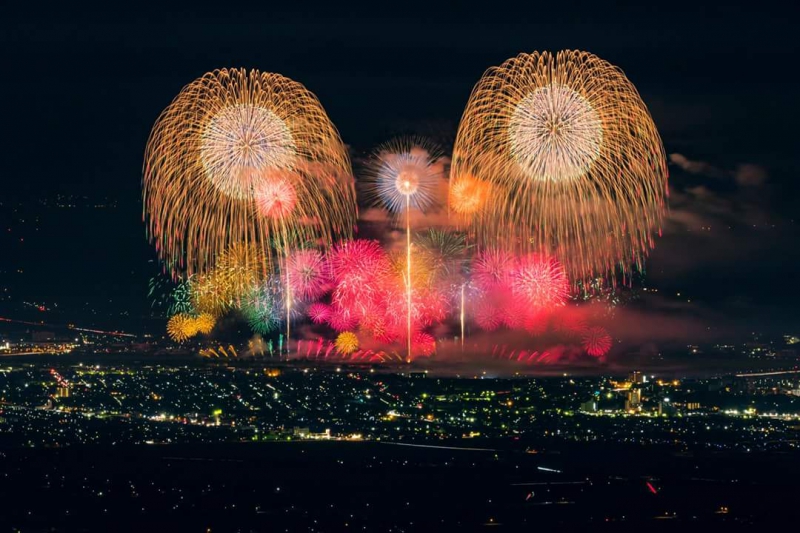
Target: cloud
pixel 748 175
pixel 745 174
pixel 696 167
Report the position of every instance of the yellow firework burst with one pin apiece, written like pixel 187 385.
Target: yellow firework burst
pixel 347 342
pixel 236 272
pixel 181 327
pixel 243 156
pixel 572 157
pixel 204 323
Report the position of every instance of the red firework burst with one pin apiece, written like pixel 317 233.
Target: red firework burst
pixel 487 316
pixel 535 323
pixel 492 269
pixel 540 281
pixel 342 319
pixel 596 341
pixel 358 260
pixel 424 343
pixel 513 313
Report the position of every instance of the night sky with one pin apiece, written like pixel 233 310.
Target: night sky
pixel 82 86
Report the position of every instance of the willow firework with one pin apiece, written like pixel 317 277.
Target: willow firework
pixel 243 157
pixel 572 156
pixel 236 271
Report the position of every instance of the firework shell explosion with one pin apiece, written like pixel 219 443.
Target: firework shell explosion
pixel 261 309
pixel 308 274
pixel 181 327
pixel 237 271
pixel 405 171
pixel 204 323
pixel 596 341
pixel 347 342
pixel 574 162
pixel 242 156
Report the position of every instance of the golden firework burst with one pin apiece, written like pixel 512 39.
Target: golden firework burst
pixel 243 157
pixel 347 342
pixel 236 272
pixel 572 156
pixel 204 323
pixel 181 327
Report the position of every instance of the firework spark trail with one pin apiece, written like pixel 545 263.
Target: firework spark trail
pixel 404 174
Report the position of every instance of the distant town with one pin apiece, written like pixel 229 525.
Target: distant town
pixel 62 405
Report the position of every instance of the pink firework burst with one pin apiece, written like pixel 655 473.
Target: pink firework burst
pixel 360 259
pixel 540 281
pixel 308 274
pixel 319 313
pixel 359 270
pixel 492 269
pixel 275 198
pixel 596 341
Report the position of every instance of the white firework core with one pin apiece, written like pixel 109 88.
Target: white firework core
pixel 407 181
pixel 409 176
pixel 241 141
pixel 556 134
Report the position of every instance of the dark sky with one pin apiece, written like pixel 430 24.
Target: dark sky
pixel 83 84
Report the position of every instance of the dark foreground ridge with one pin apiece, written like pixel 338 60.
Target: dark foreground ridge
pixel 360 486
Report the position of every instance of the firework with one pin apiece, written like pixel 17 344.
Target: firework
pixel 180 299
pixel 342 319
pixel 261 308
pixel 237 270
pixel 513 312
pixel 443 252
pixel 307 274
pixel 574 161
pixel 319 313
pixel 346 342
pixel 488 317
pixel 468 195
pixel 596 341
pixel 204 323
pixel 492 269
pixel 540 281
pixel 181 327
pixel 424 343
pixel 276 197
pixel 243 156
pixel 405 172
pixel 359 269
